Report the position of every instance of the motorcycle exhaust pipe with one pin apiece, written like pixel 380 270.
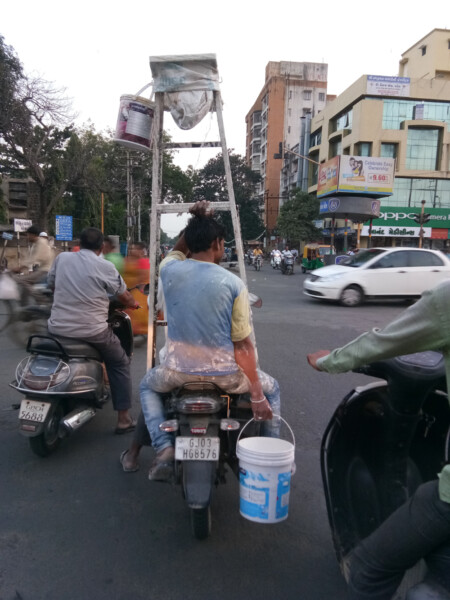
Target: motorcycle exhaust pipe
pixel 75 419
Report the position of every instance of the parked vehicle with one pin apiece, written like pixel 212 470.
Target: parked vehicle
pixel 287 264
pixel 383 441
pixel 379 273
pixel 258 262
pixel 63 384
pixel 313 256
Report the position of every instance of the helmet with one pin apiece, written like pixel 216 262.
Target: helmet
pixel 43 234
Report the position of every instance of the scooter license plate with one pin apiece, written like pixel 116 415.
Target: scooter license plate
pixel 197 448
pixel 34 410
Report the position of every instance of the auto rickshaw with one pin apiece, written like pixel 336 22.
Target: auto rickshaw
pixel 313 256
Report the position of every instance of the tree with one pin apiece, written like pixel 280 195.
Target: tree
pixel 210 184
pixel 295 221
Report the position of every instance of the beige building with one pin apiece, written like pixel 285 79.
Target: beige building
pixel 406 118
pixel 291 91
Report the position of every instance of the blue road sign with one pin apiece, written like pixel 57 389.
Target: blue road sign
pixel 64 228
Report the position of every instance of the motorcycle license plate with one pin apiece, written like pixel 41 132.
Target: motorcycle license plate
pixel 34 410
pixel 197 448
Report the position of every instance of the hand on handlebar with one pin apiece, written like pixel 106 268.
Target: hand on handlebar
pixel 314 357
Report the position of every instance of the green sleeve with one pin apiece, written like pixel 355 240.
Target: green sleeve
pixel 423 326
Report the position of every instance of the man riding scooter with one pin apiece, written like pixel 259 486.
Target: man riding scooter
pixel 421 527
pixel 209 334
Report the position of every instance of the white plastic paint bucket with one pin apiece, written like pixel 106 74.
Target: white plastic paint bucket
pixel 134 123
pixel 265 469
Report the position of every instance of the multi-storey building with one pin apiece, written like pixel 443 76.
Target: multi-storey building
pixel 407 118
pixel 291 91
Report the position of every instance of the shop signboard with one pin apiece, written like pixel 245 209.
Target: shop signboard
pixel 63 228
pixel 349 174
pixel 379 85
pixel 21 225
pixel 397 221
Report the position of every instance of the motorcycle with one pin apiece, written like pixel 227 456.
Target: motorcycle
pixel 63 383
pixel 287 264
pixel 276 261
pixel 206 423
pixel 258 262
pixel 383 441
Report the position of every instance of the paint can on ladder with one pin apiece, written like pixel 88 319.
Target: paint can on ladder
pixel 134 123
pixel 265 469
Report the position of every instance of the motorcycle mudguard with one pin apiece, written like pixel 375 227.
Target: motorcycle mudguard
pixel 373 457
pixel 198 480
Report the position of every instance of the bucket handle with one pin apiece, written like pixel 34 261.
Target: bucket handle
pixel 275 417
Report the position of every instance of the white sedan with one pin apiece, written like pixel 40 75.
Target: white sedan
pixel 379 273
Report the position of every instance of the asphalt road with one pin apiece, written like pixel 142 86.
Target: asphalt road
pixel 73 526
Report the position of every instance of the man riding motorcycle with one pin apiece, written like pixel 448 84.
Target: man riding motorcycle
pixel 420 528
pixel 208 334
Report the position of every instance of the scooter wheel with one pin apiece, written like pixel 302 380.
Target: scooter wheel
pixel 201 522
pixel 48 441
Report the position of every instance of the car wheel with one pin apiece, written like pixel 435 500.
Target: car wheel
pixel 352 296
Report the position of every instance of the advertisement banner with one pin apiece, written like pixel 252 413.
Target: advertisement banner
pixel 366 174
pixel 378 85
pixel 399 216
pixel 328 179
pixel 345 174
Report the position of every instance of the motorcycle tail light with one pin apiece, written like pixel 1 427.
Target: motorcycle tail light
pixel 41 372
pixel 198 405
pixel 169 426
pixel 229 425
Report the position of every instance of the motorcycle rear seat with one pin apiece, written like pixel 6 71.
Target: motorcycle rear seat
pixel 70 347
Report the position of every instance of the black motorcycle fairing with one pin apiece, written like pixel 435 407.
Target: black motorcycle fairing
pixel 383 441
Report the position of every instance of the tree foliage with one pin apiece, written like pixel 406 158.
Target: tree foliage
pixel 295 221
pixel 210 184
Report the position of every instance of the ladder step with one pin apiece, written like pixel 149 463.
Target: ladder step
pixel 193 145
pixel 186 206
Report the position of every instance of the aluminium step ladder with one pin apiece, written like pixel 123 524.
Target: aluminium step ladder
pixel 158 207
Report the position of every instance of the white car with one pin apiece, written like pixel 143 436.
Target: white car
pixel 379 273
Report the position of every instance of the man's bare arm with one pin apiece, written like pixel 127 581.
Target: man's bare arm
pixel 244 353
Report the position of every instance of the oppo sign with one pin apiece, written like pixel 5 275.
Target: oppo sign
pixel 397 216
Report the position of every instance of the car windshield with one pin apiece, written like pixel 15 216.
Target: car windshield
pixel 361 257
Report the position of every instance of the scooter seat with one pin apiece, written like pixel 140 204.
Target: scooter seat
pixel 61 346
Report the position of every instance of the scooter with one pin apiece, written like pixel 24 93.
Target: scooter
pixel 63 383
pixel 287 264
pixel 258 262
pixel 276 261
pixel 383 441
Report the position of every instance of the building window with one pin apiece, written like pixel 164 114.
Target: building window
pixel 313 169
pixel 342 122
pixel 422 151
pixel 290 94
pixel 307 94
pixel 315 139
pixel 364 149
pixel 410 191
pixel 423 50
pixel 335 148
pixel 289 129
pixel 397 111
pixel 321 97
pixel 388 150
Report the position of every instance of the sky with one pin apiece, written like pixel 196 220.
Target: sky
pixel 99 50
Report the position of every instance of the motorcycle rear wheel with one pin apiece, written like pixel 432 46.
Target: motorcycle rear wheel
pixel 48 441
pixel 201 522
